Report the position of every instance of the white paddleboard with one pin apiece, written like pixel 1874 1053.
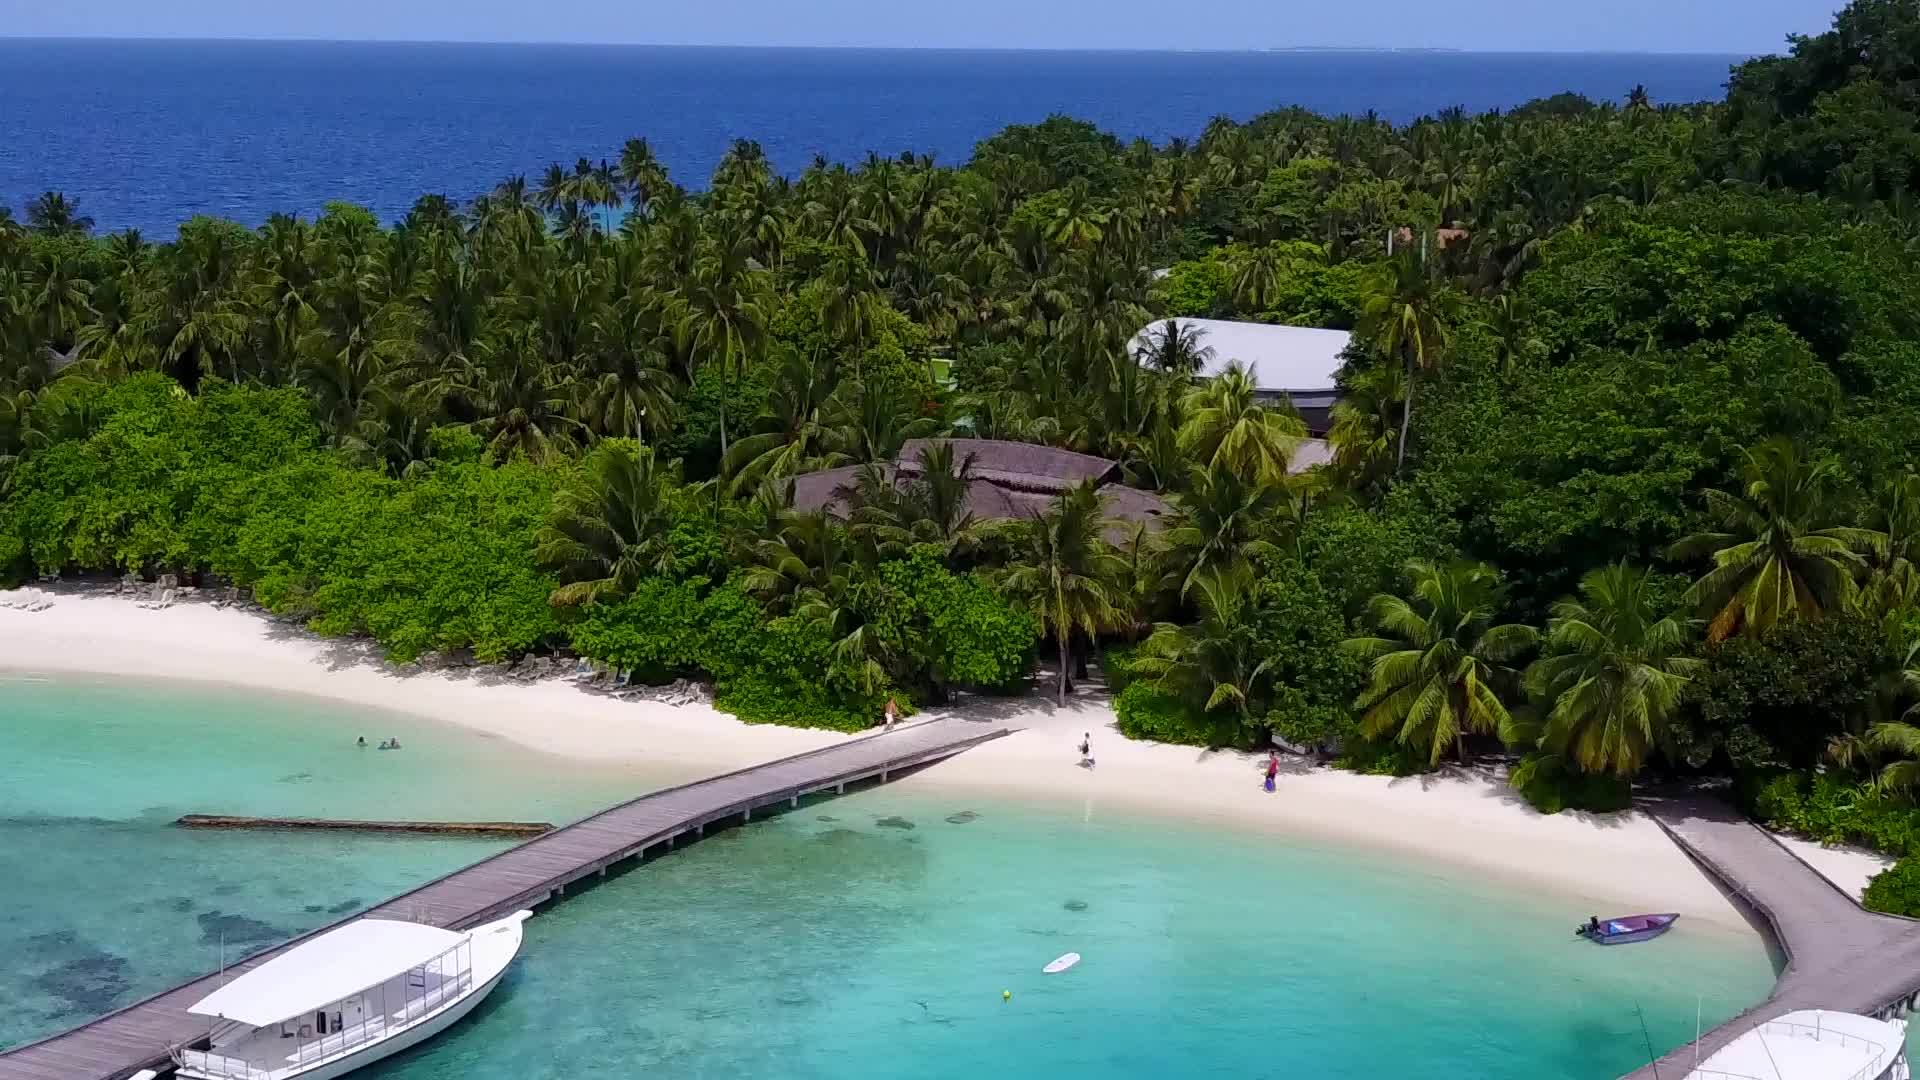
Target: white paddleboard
pixel 1061 964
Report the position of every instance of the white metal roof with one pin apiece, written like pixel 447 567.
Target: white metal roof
pixel 337 964
pixel 1807 1045
pixel 1281 358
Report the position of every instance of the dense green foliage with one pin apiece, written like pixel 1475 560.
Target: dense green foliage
pixel 1895 890
pixel 1836 811
pixel 1621 477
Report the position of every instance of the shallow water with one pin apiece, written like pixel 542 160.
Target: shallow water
pixel 109 902
pixel 865 936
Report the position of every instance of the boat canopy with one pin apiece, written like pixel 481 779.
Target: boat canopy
pixel 333 966
pixel 1810 1044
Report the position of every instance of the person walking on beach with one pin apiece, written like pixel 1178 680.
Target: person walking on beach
pixel 1273 768
pixel 891 714
pixel 1086 750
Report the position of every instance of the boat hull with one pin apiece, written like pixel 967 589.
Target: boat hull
pixel 1633 937
pixel 494 947
pixel 1629 929
pixel 406 1040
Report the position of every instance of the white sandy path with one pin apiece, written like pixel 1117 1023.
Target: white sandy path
pixel 1609 864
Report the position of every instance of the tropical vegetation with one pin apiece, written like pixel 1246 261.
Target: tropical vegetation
pixel 1620 484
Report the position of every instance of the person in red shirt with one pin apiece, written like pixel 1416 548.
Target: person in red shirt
pixel 1273 767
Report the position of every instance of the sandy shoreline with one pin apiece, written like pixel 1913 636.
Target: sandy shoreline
pixel 1611 864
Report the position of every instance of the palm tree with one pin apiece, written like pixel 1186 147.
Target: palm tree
pixel 628 386
pixel 1781 552
pixel 1176 348
pixel 803 382
pixel 520 399
pixel 1065 572
pixel 1077 222
pixel 727 310
pixel 933 506
pixel 1402 314
pixel 808 567
pixel 642 175
pixel 53 213
pixel 1221 660
pixel 1228 428
pixel 1361 434
pixel 610 529
pixel 1614 672
pixel 1439 661
pixel 1510 326
pixel 1220 523
pixel 1256 278
pixel 1894 578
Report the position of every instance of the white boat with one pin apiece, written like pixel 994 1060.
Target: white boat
pixel 1812 1044
pixel 348 998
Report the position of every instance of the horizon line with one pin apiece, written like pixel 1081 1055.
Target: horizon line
pixel 1441 50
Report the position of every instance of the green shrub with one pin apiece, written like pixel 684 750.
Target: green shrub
pixel 1117 664
pixel 1146 713
pixel 1833 810
pixel 1381 757
pixel 1896 890
pixel 1550 787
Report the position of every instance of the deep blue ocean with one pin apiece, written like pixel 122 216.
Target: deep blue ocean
pixel 148 133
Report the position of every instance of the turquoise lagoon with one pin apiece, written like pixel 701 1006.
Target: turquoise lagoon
pixel 866 936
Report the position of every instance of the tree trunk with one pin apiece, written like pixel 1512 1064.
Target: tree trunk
pixel 1064 639
pixel 1406 420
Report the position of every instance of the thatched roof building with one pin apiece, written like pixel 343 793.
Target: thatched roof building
pixel 1009 480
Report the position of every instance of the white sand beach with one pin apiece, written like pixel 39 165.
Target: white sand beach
pixel 1607 864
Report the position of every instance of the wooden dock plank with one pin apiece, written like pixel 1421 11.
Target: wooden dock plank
pixel 115 1045
pixel 1840 956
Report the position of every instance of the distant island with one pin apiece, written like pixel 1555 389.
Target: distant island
pixel 1354 49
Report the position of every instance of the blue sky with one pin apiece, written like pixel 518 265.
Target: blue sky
pixel 1736 26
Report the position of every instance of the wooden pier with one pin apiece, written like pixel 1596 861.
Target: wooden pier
pixel 142 1035
pixel 1839 956
pixel 425 828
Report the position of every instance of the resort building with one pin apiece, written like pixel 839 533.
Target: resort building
pixel 1296 364
pixel 1008 480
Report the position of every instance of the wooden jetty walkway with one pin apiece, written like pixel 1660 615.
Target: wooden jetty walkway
pixel 429 828
pixel 1839 956
pixel 141 1035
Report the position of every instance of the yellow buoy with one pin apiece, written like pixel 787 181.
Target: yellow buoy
pixel 1006 995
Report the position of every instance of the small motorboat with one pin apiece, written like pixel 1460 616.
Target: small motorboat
pixel 1626 929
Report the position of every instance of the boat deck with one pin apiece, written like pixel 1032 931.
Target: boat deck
pixel 1840 956
pixel 141 1035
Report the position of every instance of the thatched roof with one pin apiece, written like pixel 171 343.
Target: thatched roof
pixel 1026 466
pixel 1010 480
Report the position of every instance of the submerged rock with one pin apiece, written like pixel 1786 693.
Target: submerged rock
pixel 829 818
pixel 894 823
pixel 218 926
pixel 962 817
pixel 314 909
pixel 344 906
pixel 90 983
